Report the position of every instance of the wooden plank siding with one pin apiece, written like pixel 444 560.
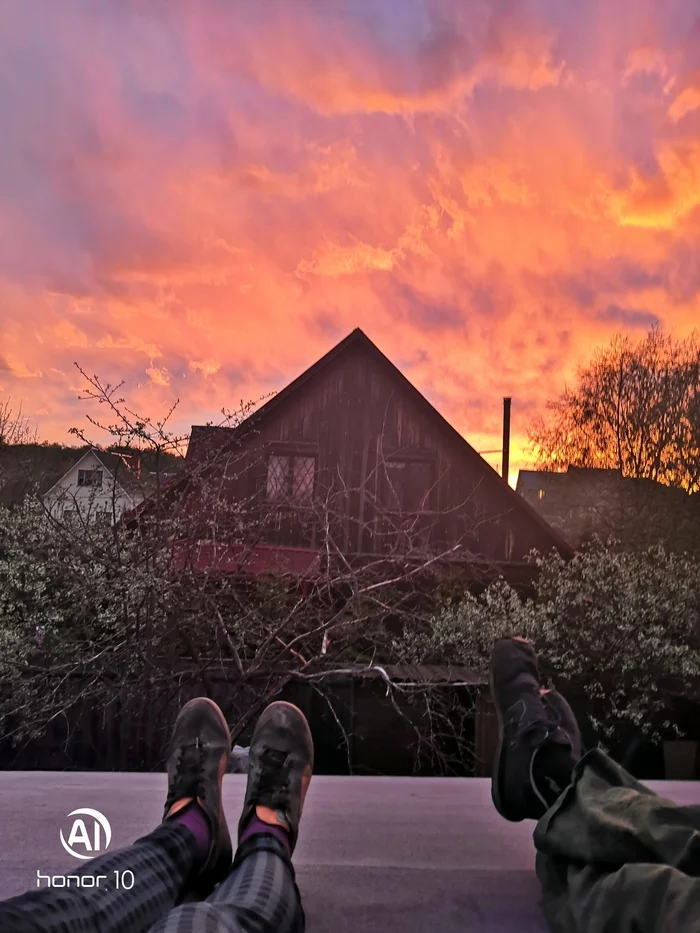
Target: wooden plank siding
pixel 353 416
pixel 364 734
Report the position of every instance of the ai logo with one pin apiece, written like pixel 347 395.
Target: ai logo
pixel 90 843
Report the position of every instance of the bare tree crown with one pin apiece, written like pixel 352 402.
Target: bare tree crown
pixel 635 408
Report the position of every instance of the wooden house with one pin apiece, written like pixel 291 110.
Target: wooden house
pixel 393 476
pixel 351 462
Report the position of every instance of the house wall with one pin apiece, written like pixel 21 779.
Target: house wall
pixel 88 500
pixel 354 417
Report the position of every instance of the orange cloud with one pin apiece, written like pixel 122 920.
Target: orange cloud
pixel 340 64
pixel 159 377
pixel 687 101
pixel 335 261
pixel 201 199
pixel 647 60
pixel 663 200
pixel 206 367
pixel 132 342
pixel 69 334
pixel 20 370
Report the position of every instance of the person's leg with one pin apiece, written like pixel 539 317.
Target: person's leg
pixel 189 851
pixel 611 854
pixel 260 893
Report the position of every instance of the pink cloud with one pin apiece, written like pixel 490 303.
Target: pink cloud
pixel 200 199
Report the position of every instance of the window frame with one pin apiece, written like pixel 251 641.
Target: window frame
pixel 292 453
pixel 387 493
pixel 95 470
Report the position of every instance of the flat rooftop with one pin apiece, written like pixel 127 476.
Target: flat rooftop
pixel 375 855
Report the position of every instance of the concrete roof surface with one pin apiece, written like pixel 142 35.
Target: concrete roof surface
pixel 375 855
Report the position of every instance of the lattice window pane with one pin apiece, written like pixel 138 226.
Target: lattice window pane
pixel 303 481
pixel 277 474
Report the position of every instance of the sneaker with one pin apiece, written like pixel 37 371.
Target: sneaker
pixel 280 764
pixel 527 720
pixel 197 760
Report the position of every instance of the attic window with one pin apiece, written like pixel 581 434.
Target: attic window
pixel 290 478
pixel 89 477
pixel 407 485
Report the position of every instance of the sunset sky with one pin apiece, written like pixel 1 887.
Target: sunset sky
pixel 202 198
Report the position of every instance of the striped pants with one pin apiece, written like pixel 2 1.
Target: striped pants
pixel 259 895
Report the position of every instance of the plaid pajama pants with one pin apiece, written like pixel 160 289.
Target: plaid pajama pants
pixel 258 896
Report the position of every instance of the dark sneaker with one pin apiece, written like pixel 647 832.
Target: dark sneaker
pixel 526 723
pixel 280 764
pixel 197 760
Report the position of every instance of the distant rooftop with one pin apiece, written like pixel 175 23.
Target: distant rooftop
pixel 206 440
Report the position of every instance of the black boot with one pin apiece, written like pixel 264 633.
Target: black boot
pixel 529 724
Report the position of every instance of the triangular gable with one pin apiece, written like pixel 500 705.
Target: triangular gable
pixel 98 454
pixel 70 469
pixel 358 339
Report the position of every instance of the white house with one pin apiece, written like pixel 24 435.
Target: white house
pixel 99 487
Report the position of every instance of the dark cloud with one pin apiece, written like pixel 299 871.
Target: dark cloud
pixel 683 272
pixel 629 317
pixel 428 312
pixel 327 326
pixel 585 287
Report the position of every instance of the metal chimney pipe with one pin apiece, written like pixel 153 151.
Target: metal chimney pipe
pixel 505 463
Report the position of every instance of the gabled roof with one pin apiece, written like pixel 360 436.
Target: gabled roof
pixel 115 464
pixel 206 440
pixel 213 439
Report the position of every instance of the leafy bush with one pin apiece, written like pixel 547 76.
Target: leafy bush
pixel 623 629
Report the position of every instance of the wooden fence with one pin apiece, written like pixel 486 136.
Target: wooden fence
pixel 362 734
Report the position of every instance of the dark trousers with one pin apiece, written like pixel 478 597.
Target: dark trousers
pixel 614 857
pixel 258 896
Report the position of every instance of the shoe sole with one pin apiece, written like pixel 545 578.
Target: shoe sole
pixel 496 776
pixel 198 701
pixel 278 704
pixel 222 719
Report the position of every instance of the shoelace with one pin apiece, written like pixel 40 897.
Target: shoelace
pixel 188 773
pixel 517 714
pixel 273 783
